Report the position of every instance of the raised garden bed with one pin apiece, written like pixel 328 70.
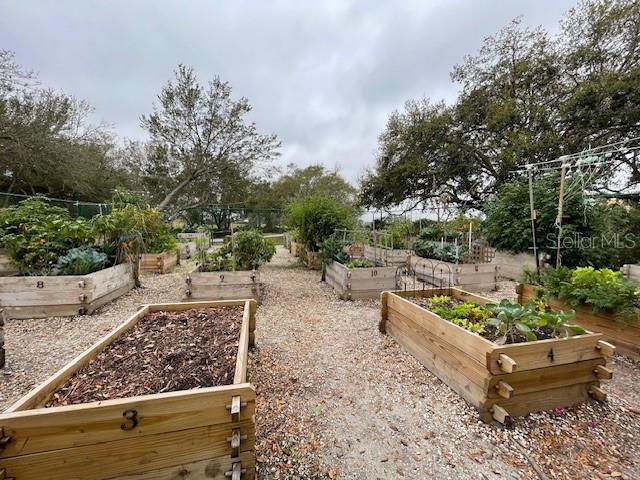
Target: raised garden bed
pixel 500 381
pixel 61 295
pixel 159 262
pixel 121 410
pixel 295 248
pixel 473 277
pixel 6 266
pixel 356 283
pixel 625 337
pixel 385 256
pixel 223 285
pixel 194 237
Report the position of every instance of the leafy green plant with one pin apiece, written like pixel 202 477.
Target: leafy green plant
pixel 35 234
pixel 245 250
pixel 358 263
pixel 332 249
pixel 446 252
pixel 316 218
pixel 511 319
pixel 80 261
pixel 603 290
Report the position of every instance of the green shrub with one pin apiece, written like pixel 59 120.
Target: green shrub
pixel 446 252
pixel 250 249
pixel 81 261
pixel 316 218
pixel 35 234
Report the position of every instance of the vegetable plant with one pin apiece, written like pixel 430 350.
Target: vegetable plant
pixel 81 261
pixel 245 250
pixel 358 263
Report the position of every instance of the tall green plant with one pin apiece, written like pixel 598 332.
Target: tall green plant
pixel 35 234
pixel 316 218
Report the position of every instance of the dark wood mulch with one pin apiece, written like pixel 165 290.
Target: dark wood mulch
pixel 163 352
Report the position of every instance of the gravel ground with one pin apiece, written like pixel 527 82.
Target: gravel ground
pixel 337 399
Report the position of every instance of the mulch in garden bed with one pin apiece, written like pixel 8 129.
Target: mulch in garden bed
pixel 163 352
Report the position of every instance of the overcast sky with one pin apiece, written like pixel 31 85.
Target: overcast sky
pixel 322 75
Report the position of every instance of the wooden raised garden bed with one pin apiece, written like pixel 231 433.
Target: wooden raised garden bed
pixel 385 256
pixel 356 283
pixel 53 433
pixel 48 296
pixel 6 267
pixel 194 237
pixel 295 248
pixel 500 381
pixel 474 277
pixel 236 285
pixel 159 262
pixel 625 337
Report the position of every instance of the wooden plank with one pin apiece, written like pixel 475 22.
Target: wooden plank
pixel 211 469
pixel 43 429
pixel 528 381
pixel 456 369
pixel 541 400
pixel 38 396
pixel 242 357
pixel 181 306
pixel 546 353
pixel 474 345
pixel 135 455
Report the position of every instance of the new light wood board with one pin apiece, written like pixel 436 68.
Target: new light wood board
pixel 545 373
pixel 182 434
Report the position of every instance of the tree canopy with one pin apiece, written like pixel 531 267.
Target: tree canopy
pixel 47 144
pixel 525 97
pixel 201 142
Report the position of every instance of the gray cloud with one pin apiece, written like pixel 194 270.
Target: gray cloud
pixel 323 75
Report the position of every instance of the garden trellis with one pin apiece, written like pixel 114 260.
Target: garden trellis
pixel 586 173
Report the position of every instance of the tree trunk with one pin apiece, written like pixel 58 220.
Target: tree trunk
pixel 171 195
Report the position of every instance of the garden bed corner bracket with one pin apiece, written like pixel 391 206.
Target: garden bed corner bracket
pixel 606 348
pixel 236 471
pixel 4 440
pixel 235 440
pixel 507 364
pixel 236 405
pixel 597 393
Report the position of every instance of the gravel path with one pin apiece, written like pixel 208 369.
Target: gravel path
pixel 337 399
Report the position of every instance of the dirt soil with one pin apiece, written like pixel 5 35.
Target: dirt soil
pixel 163 352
